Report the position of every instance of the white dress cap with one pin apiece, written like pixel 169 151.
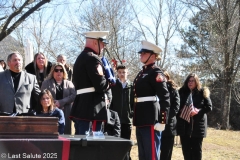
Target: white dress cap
pixel 147 46
pixel 96 34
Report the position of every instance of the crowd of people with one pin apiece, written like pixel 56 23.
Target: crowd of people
pixel 85 96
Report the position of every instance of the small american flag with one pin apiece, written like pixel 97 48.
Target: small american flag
pixel 187 109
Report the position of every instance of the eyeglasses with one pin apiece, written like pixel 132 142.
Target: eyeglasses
pixel 58 70
pixel 191 81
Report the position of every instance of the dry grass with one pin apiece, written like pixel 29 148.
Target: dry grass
pixel 218 145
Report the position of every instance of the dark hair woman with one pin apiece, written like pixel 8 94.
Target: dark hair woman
pixel 195 103
pixel 167 139
pixel 46 108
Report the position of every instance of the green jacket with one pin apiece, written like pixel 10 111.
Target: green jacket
pixel 123 101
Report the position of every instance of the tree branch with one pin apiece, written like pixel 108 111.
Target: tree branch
pixel 14 14
pixel 5 32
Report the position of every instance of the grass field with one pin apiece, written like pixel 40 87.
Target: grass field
pixel 218 145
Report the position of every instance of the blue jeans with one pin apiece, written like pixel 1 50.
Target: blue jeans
pixel 81 126
pixel 149 141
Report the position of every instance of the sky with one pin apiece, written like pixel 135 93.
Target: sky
pixel 141 8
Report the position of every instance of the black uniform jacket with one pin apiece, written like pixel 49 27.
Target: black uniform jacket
pixel 198 123
pixel 151 81
pixel 87 73
pixel 170 128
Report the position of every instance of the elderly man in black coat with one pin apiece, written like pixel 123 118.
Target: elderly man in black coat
pixel 90 84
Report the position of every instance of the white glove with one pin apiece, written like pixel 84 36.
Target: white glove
pixel 159 127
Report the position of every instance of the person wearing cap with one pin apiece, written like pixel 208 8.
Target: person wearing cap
pixel 90 84
pixel 152 102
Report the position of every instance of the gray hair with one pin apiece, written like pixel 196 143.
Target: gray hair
pixel 61 55
pixel 10 55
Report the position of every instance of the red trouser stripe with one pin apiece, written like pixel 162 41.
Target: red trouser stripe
pixel 65 148
pixel 94 125
pixel 153 142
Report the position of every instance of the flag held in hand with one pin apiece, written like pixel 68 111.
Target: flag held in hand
pixel 187 109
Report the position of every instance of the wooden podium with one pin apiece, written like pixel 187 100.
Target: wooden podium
pixel 28 127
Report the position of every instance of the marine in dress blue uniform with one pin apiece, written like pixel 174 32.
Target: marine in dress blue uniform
pixel 152 101
pixel 90 84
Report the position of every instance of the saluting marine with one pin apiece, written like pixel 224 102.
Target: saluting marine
pixel 90 84
pixel 152 102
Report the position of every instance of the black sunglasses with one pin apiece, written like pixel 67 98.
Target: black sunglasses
pixel 58 70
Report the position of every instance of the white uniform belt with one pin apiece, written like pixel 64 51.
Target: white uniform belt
pixel 143 99
pixel 85 90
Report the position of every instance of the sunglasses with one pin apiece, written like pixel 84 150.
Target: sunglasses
pixel 58 70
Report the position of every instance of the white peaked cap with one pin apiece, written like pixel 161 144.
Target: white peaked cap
pixel 96 34
pixel 147 46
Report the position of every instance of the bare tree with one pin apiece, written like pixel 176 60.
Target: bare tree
pixel 13 13
pixel 214 38
pixel 46 30
pixel 114 16
pixel 157 21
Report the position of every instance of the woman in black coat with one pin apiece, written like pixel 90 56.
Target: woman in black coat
pixel 192 132
pixel 167 139
pixel 40 67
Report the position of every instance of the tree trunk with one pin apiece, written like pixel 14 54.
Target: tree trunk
pixel 226 102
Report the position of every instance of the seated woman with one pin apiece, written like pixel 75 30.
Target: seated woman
pixel 46 108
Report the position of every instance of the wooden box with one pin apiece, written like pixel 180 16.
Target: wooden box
pixel 28 127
